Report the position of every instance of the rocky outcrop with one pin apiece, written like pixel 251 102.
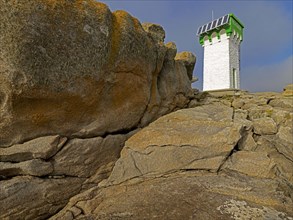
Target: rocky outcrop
pixel 76 81
pixel 27 197
pixel 54 167
pixel 288 90
pixel 227 157
pixel 184 140
pixel 189 61
pixel 64 64
pixel 187 195
pixel 77 85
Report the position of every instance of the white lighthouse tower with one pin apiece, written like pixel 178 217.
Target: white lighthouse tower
pixel 221 40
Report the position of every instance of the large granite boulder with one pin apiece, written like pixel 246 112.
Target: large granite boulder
pixel 75 69
pixel 76 81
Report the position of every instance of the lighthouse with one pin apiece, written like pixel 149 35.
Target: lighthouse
pixel 221 39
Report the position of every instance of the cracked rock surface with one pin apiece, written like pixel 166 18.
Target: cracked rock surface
pixel 76 81
pixel 27 197
pixel 79 87
pixel 76 69
pixel 182 140
pixel 205 162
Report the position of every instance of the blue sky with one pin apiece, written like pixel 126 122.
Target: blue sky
pixel 266 52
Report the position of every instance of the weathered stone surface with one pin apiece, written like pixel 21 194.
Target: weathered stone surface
pixel 184 196
pixel 102 173
pixel 264 126
pixel 174 161
pixel 256 164
pixel 280 154
pixel 279 115
pixel 33 198
pixel 178 141
pixel 285 134
pixel 284 167
pixel 260 112
pixel 283 142
pixel 240 114
pixel 156 31
pixel 39 148
pixel 82 157
pixel 171 51
pixel 247 142
pixel 172 82
pixel 34 167
pixel 47 84
pixel 75 69
pixel 73 77
pixel 288 90
pixel 215 111
pixel 238 103
pixel 62 63
pixel 206 162
pixel 282 117
pixel 282 103
pixel 189 61
pixel 171 88
pixel 250 101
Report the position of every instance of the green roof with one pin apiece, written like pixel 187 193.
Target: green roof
pixel 228 22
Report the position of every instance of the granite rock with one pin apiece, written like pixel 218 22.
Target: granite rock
pixel 26 197
pixel 74 68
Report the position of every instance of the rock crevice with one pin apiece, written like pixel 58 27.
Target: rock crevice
pixel 85 131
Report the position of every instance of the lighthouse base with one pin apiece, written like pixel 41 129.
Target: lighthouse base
pixel 224 92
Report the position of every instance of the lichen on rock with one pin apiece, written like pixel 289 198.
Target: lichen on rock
pixel 76 81
pixel 63 64
pixel 85 131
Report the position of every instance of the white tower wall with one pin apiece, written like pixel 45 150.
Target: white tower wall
pixel 234 51
pixel 221 62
